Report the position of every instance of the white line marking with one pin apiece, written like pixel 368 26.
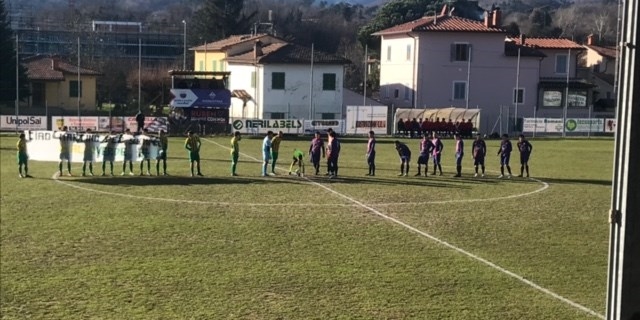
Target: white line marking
pixel 543 188
pixel 55 178
pixel 450 246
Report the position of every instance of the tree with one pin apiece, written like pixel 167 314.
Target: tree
pixel 218 19
pixel 8 63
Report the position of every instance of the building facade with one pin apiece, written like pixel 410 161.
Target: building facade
pixel 273 79
pixel 449 61
pixel 54 82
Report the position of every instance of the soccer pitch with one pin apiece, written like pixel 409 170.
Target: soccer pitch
pixel 284 247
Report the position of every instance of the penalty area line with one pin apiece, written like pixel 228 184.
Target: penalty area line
pixel 449 245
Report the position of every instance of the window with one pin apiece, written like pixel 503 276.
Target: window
pixel 407 92
pixel 328 116
pixel 459 90
pixel 385 91
pixel 201 64
pixel 388 53
pixel 396 93
pixel 74 91
pixel 460 52
pixel 253 79
pixel 277 80
pixel 562 63
pixel 408 52
pixel 329 81
pixel 277 115
pixel 518 95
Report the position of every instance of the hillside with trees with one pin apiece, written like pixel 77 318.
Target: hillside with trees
pixel 342 28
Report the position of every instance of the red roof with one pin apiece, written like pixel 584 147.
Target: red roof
pixel 610 52
pixel 52 68
pixel 444 23
pixel 287 53
pixel 548 43
pixel 230 41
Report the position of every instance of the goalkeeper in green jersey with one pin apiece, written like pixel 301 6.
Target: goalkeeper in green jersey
pixel 297 159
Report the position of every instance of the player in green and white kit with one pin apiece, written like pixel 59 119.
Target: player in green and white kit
pixel 89 156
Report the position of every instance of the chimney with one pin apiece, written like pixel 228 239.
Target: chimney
pixel 497 18
pixel 54 64
pixel 523 39
pixel 488 19
pixel 590 41
pixel 257 50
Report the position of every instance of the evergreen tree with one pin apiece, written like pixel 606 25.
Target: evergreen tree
pixel 8 63
pixel 219 19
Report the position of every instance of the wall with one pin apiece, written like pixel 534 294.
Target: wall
pixel 57 93
pixel 295 100
pixel 397 73
pixel 492 77
pixel 210 57
pixel 548 65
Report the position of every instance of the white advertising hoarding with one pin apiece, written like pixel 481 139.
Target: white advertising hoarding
pixel 362 119
pixel 262 126
pixel 23 123
pixel 75 123
pixel 555 125
pixel 311 126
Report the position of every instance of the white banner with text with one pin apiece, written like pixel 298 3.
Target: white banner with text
pixel 362 119
pixel 49 145
pixel 262 126
pixel 22 123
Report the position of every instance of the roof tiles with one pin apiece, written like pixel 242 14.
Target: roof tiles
pixel 53 68
pixel 287 53
pixel 548 43
pixel 443 23
pixel 610 52
pixel 228 42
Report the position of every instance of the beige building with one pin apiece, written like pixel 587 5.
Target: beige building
pixel 54 83
pixel 600 69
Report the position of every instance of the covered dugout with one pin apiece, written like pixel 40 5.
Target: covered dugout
pixel 456 115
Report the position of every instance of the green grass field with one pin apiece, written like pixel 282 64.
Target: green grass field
pixel 248 247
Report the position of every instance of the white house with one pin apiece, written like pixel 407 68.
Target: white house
pixel 445 60
pixel 271 78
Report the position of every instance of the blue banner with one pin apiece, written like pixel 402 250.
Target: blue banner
pixel 201 98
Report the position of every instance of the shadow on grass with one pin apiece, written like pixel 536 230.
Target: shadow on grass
pixel 179 180
pixel 577 181
pixel 371 182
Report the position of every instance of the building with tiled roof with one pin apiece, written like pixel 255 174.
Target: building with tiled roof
pixel 54 81
pixel 600 69
pixel 272 77
pixel 441 23
pixel 447 60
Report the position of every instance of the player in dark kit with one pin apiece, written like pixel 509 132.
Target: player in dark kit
pixel 505 154
pixel 371 154
pixel 333 153
pixel 479 148
pixel 316 149
pixel 525 152
pixel 437 153
pixel 426 147
pixel 405 158
pixel 459 154
pixel 162 154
